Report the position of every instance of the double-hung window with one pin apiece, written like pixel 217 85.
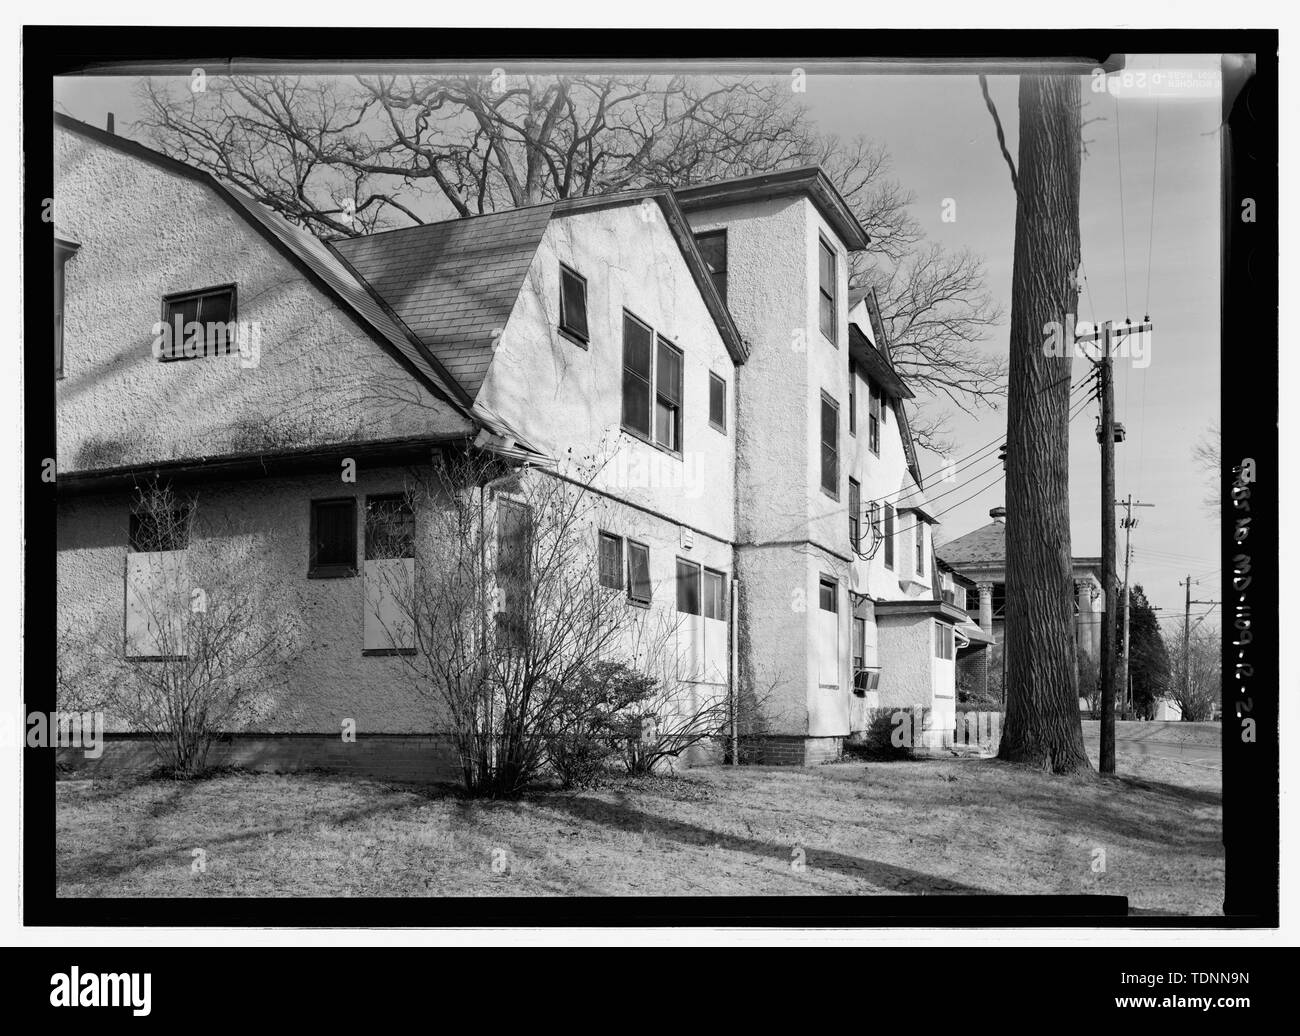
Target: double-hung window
pixel 826 293
pixel 652 385
pixel 573 305
pixel 855 514
pixel 611 561
pixel 889 535
pixel 830 445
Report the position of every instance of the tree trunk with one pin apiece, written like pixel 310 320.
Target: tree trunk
pixel 1042 722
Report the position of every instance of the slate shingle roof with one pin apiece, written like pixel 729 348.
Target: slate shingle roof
pixel 453 283
pixel 986 544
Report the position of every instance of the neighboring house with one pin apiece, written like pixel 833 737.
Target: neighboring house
pixel 701 342
pixel 978 562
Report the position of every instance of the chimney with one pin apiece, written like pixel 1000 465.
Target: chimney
pixel 998 514
pixel 109 127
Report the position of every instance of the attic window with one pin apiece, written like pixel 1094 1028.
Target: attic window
pixel 196 324
pixel 713 249
pixel 717 402
pixel 573 305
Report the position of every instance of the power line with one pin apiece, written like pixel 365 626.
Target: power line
pixel 1123 238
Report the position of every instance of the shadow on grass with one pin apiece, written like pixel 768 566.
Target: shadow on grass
pixel 628 820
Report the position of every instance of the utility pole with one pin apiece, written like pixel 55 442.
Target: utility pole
pixel 1187 639
pixel 1129 522
pixel 1106 437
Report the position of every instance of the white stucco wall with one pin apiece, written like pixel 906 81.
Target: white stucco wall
pixel 146 232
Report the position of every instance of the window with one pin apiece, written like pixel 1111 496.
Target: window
pixel 638 572
pixel 637 360
pixel 859 657
pixel 611 561
pixel 151 532
pixel 212 310
pixel 717 402
pixel 333 538
pixel 514 546
pixel 688 587
pixel 889 535
pixel 873 418
pixel 713 248
pixel 943 641
pixel 715 594
pixel 826 290
pixel 63 251
pixel 668 396
pixel 855 514
pixel 830 446
pixel 828 594
pixel 920 546
pixel 390 528
pixel 853 399
pixel 573 304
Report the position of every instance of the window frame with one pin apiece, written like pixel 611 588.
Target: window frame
pixel 833 295
pixel 824 581
pixel 720 382
pixel 232 347
pixel 578 337
pixel 699 586
pixel 944 641
pixel 721 577
pixel 331 569
pixel 919 545
pixel 875 406
pixel 631 545
pixel 371 499
pixel 855 514
pixel 620 566
pixel 678 408
pixel 853 399
pixel 888 537
pixel 713 272
pixel 828 400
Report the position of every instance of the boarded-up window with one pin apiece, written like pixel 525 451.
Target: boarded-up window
pixel 573 304
pixel 333 538
pixel 827 632
pixel 514 562
pixel 158 599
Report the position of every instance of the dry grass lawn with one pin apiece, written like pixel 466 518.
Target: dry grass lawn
pixel 851 828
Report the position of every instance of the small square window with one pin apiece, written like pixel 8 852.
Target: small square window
pixel 333 538
pixel 717 402
pixel 573 304
pixel 390 527
pixel 198 324
pixel 828 594
pixel 156 531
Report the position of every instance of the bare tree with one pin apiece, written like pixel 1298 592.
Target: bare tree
pixel 506 617
pixel 206 647
pixel 346 156
pixel 1207 455
pixel 1197 696
pixel 1042 719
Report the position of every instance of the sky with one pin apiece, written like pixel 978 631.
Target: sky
pixel 1150 231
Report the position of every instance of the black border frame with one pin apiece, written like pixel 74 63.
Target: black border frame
pixel 1249 395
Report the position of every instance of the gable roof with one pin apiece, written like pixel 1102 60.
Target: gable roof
pixel 303 249
pixel 452 283
pixel 810 181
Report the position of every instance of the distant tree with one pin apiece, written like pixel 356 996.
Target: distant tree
pixel 1148 658
pixel 1198 696
pixel 1207 455
pixel 345 155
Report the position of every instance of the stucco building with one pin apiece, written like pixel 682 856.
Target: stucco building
pixel 758 481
